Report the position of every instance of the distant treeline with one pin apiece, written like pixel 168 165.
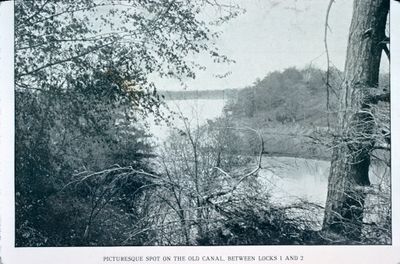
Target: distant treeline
pixel 196 94
pixel 289 106
pixel 291 96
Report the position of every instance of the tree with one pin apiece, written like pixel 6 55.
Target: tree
pixel 56 40
pixel 200 166
pixel 83 87
pixel 89 127
pixel 354 136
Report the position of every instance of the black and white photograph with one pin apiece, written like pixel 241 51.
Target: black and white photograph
pixel 199 124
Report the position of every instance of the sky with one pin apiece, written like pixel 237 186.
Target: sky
pixel 273 35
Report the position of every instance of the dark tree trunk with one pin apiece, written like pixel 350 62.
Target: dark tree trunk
pixel 353 143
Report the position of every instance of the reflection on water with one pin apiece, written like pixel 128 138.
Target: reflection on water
pixel 286 179
pixel 289 179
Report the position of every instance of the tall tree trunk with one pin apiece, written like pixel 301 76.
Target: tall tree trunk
pixel 353 143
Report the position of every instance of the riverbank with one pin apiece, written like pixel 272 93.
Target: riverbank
pixel 295 140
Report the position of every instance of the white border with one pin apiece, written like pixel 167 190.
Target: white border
pixel 312 254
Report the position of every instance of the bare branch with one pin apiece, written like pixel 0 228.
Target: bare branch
pixel 251 173
pixel 328 86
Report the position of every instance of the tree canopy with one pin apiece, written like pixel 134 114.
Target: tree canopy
pixel 83 87
pixel 55 41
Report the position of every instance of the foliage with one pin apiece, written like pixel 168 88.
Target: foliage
pixel 86 173
pixel 210 197
pixel 66 39
pixel 257 221
pixel 83 85
pixel 191 163
pixel 285 97
pixel 90 126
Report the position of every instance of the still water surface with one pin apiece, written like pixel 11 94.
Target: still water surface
pixel 287 179
pixel 197 113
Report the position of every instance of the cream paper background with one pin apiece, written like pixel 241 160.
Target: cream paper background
pixel 311 254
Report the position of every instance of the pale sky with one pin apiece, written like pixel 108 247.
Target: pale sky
pixel 274 35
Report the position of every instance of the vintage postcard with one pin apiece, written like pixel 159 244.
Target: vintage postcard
pixel 201 131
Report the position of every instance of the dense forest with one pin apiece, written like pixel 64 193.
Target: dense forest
pixel 89 173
